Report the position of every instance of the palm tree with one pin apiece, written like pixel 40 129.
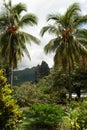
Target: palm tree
pixel 12 37
pixel 70 39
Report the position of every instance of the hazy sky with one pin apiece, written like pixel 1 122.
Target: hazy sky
pixel 42 8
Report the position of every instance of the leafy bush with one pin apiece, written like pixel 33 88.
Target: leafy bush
pixel 10 115
pixel 26 93
pixel 45 116
pixel 76 116
pixel 49 93
pixel 82 115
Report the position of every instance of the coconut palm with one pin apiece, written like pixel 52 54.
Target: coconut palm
pixel 69 44
pixel 12 37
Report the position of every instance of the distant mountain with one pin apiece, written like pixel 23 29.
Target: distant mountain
pixel 41 71
pixel 25 75
pixel 31 74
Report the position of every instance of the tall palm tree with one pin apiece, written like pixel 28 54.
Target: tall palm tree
pixel 70 39
pixel 12 37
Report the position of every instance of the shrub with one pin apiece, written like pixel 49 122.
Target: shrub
pixel 10 115
pixel 76 116
pixel 82 116
pixel 26 93
pixel 46 116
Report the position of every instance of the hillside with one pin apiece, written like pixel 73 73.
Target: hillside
pixel 31 74
pixel 25 75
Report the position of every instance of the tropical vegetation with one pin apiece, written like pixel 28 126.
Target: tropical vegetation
pixel 57 97
pixel 10 114
pixel 70 39
pixel 12 37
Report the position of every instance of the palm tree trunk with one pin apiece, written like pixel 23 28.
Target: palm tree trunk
pixel 11 76
pixel 69 83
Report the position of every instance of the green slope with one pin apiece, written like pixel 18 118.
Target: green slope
pixel 24 76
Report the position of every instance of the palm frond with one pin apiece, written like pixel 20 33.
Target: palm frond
pixel 19 42
pixel 21 38
pixel 59 55
pixel 57 19
pixel 81 21
pixel 25 50
pixel 83 50
pixel 19 54
pixel 43 30
pixel 49 47
pixel 4 23
pixel 83 41
pixel 72 12
pixel 54 17
pixel 30 38
pixel 19 8
pixel 4 44
pixel 28 19
pixel 81 32
pixel 10 3
pixel 81 35
pixel 52 29
pixel 52 45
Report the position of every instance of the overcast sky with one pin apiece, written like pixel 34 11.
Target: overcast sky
pixel 42 8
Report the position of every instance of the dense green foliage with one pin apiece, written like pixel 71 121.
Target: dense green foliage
pixel 52 88
pixel 79 80
pixel 69 43
pixel 26 94
pixel 73 116
pixel 10 114
pixel 42 92
pixel 76 116
pixel 52 93
pixel 46 116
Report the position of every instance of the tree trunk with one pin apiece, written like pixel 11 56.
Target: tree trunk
pixel 78 92
pixel 70 90
pixel 11 76
pixel 69 84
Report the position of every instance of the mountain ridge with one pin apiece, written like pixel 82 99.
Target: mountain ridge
pixel 31 74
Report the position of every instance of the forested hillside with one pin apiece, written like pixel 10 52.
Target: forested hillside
pixel 31 74
pixel 24 76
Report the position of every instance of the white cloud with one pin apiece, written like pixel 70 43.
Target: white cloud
pixel 42 8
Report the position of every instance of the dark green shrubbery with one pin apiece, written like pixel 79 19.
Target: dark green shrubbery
pixel 45 116
pixel 10 115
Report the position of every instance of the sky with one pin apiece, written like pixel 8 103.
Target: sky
pixel 42 8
